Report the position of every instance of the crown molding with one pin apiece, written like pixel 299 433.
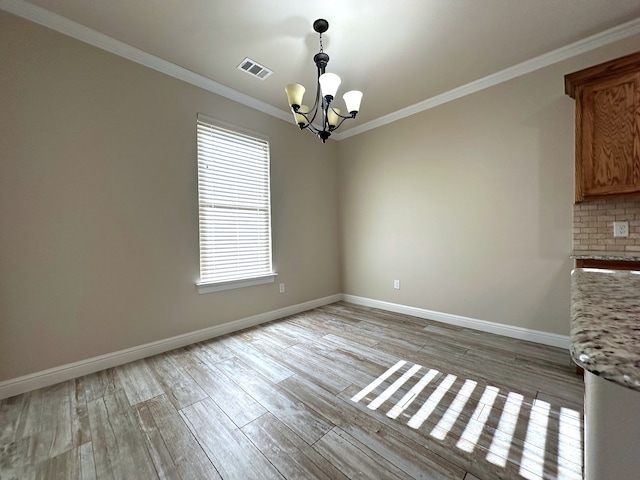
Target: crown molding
pixel 555 56
pixel 65 26
pixel 70 28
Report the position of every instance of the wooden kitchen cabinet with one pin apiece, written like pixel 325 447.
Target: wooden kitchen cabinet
pixel 607 128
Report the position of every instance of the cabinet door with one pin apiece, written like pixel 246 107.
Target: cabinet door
pixel 607 135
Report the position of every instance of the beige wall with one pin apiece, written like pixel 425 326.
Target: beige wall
pixel 469 204
pixel 98 205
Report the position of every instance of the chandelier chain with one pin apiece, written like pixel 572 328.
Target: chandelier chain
pixel 321 48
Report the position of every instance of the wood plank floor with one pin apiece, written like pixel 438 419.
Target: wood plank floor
pixel 337 392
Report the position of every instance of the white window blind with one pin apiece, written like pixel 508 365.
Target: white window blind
pixel 235 206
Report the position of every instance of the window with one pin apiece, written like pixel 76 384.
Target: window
pixel 235 208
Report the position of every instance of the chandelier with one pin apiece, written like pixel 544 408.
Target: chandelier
pixel 323 110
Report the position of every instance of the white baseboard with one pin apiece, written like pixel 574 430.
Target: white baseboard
pixel 33 381
pixel 51 376
pixel 552 339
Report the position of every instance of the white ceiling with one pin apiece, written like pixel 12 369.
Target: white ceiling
pixel 398 52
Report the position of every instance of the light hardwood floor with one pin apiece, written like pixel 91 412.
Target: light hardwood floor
pixel 338 392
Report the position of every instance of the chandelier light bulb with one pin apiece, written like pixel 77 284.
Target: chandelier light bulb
pixel 300 120
pixel 332 116
pixel 295 92
pixel 329 83
pixel 352 100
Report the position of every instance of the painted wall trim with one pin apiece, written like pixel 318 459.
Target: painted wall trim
pixel 33 381
pixel 65 26
pixel 552 339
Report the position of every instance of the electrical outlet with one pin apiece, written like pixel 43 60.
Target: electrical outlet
pixel 396 284
pixel 282 288
pixel 620 229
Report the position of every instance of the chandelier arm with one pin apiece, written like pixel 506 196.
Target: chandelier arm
pixel 325 116
pixel 343 117
pixel 320 100
pixel 314 109
pixel 309 125
pixel 304 125
pixel 317 104
pixel 307 115
pixel 313 129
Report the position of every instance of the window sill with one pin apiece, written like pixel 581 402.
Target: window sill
pixel 231 284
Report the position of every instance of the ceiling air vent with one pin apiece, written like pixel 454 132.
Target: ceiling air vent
pixel 254 69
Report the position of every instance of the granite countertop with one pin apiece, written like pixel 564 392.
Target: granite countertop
pixel 606 255
pixel 605 324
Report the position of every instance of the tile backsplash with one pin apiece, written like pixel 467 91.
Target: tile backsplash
pixel 593 225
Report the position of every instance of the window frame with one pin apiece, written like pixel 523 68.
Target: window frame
pixel 211 285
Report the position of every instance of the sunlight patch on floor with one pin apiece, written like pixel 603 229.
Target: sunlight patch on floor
pixel 570 443
pixel 541 453
pixel 411 395
pixel 469 438
pixel 531 466
pixel 393 388
pixel 447 421
pixel 501 443
pixel 372 386
pixel 432 402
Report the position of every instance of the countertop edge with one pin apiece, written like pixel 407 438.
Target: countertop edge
pixel 605 324
pixel 605 255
